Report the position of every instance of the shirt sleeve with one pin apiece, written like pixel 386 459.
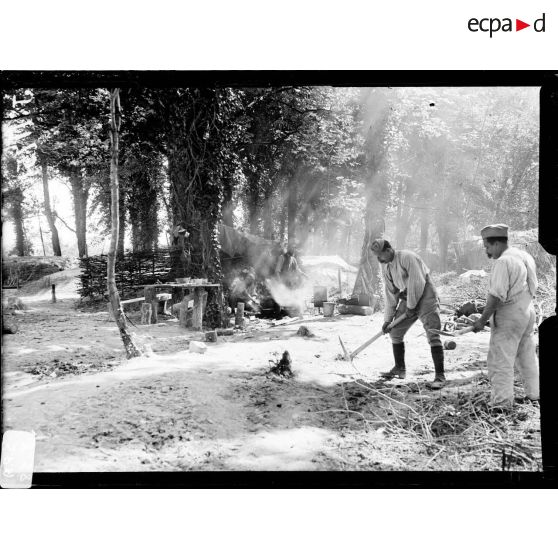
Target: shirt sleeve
pixel 390 295
pixel 499 284
pixel 416 280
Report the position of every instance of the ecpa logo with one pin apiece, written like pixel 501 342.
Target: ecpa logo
pixel 493 25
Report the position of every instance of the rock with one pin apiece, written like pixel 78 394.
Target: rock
pixel 303 331
pixel 197 347
pixel 14 302
pixel 472 275
pixel 8 328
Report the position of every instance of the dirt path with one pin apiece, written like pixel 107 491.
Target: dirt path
pixel 223 410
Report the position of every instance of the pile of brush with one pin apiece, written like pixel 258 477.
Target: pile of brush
pixel 453 431
pixel 282 367
pixel 462 432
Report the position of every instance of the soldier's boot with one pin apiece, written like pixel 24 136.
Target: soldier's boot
pixel 398 371
pixel 438 359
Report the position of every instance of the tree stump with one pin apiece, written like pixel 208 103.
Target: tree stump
pixel 146 311
pixel 239 316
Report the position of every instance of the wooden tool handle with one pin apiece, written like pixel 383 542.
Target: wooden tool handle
pixel 464 330
pixel 364 345
pixel 370 341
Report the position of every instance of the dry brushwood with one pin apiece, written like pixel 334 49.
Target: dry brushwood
pixel 458 432
pixel 283 366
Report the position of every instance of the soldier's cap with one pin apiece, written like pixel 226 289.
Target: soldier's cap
pixel 495 230
pixel 379 245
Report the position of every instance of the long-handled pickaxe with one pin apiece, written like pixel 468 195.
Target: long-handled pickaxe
pixel 350 356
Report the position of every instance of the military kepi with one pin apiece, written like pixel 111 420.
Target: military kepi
pixel 495 230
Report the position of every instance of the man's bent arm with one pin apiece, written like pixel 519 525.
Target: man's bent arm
pixel 492 303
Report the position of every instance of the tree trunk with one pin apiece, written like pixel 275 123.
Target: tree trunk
pixel 129 345
pixel 80 195
pixel 443 240
pixel 292 209
pixel 377 194
pixel 143 204
pixel 227 208
pixel 282 222
pixel 368 279
pixel 424 226
pixel 121 223
pixel 17 216
pixel 196 194
pixel 41 235
pixel 48 211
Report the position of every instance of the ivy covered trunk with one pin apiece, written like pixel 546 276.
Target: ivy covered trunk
pixel 17 216
pixel 196 190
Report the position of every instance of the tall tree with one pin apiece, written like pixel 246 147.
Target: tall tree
pixel 48 210
pixel 13 188
pixel 375 118
pixel 131 349
pixel 200 137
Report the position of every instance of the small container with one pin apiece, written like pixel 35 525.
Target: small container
pixel 328 309
pixel 211 336
pixel 320 295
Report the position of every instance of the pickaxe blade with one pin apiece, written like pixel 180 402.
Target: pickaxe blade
pixel 346 354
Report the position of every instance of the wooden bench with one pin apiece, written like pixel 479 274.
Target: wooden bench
pixel 161 297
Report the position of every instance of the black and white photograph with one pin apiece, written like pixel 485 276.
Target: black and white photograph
pixel 243 274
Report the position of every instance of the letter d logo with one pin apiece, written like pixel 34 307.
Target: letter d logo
pixel 538 26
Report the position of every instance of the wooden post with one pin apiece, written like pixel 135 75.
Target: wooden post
pixel 200 299
pixel 239 317
pixel 146 310
pixel 183 313
pixel 53 288
pixel 149 295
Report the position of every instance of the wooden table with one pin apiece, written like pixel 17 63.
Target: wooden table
pixel 197 293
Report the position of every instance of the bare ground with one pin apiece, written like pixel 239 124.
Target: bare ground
pixel 66 378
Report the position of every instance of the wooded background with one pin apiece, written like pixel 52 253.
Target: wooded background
pixel 327 169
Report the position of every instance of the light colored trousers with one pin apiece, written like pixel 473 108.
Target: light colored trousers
pixel 512 347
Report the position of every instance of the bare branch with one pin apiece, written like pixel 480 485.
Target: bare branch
pixel 56 216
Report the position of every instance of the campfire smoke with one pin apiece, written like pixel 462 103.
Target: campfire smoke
pixel 288 298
